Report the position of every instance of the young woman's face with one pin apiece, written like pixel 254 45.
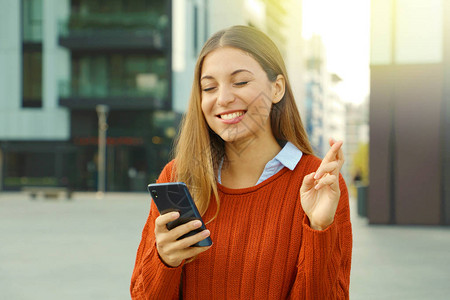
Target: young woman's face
pixel 236 95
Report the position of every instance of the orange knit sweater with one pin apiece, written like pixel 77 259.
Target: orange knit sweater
pixel 263 247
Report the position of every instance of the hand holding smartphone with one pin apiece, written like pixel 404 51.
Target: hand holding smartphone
pixel 175 196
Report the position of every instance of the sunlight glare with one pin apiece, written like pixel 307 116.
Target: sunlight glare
pixel 344 26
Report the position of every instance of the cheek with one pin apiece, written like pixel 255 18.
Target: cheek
pixel 253 94
pixel 207 111
pixel 206 106
pixel 260 104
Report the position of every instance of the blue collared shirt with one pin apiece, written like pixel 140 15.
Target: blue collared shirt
pixel 288 157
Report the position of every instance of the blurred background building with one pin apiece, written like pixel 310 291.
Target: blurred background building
pixel 410 112
pixel 62 58
pixel 321 106
pixel 327 112
pixel 315 83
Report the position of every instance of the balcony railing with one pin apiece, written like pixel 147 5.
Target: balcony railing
pixel 146 29
pixel 74 94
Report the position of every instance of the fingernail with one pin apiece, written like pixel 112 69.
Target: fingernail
pixel 316 176
pixel 175 215
pixel 316 187
pixel 197 224
pixel 205 233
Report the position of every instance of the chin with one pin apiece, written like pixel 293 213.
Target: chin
pixel 241 138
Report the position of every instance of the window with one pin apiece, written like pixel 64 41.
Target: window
pixel 32 53
pixel 116 6
pixel 32 20
pixel 129 75
pixel 32 78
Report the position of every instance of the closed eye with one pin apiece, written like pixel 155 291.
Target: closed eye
pixel 241 83
pixel 208 89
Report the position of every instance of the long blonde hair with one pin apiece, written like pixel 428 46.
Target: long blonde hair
pixel 198 150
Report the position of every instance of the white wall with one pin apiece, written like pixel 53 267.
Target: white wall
pixel 183 61
pixel 418 32
pixel 10 49
pixel 16 123
pixel 223 14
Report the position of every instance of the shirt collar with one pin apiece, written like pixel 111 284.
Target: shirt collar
pixel 289 156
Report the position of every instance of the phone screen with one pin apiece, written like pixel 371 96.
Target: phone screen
pixel 175 196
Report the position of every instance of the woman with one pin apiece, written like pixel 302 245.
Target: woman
pixel 277 215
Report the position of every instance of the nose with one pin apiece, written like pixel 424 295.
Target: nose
pixel 225 96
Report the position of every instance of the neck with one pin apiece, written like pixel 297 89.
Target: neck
pixel 245 160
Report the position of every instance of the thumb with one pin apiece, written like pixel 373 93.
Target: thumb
pixel 308 182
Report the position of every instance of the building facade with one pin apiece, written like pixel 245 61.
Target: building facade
pixel 325 108
pixel 357 141
pixel 410 112
pixel 60 59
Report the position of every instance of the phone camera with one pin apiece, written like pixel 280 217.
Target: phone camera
pixel 155 195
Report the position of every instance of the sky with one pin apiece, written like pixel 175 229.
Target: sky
pixel 344 26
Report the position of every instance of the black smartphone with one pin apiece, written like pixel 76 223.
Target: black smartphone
pixel 175 196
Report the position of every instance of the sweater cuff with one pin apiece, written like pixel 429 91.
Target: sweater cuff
pixel 156 272
pixel 307 225
pixel 317 245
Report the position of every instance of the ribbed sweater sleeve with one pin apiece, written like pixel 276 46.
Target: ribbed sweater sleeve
pixel 325 257
pixel 151 278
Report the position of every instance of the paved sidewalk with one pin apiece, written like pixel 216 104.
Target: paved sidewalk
pixel 69 249
pixel 399 262
pixel 84 248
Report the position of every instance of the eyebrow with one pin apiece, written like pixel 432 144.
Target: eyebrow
pixel 241 70
pixel 233 73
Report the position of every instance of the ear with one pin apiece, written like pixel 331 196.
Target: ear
pixel 278 89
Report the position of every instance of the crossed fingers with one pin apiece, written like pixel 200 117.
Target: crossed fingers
pixel 333 160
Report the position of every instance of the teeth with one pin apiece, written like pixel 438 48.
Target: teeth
pixel 232 115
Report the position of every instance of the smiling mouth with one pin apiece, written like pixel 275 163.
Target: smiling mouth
pixel 232 115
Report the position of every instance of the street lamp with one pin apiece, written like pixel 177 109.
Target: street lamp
pixel 102 112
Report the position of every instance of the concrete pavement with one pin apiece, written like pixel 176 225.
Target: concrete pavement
pixel 78 249
pixel 399 262
pixel 84 248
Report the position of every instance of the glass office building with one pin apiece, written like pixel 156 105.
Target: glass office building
pixel 75 55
